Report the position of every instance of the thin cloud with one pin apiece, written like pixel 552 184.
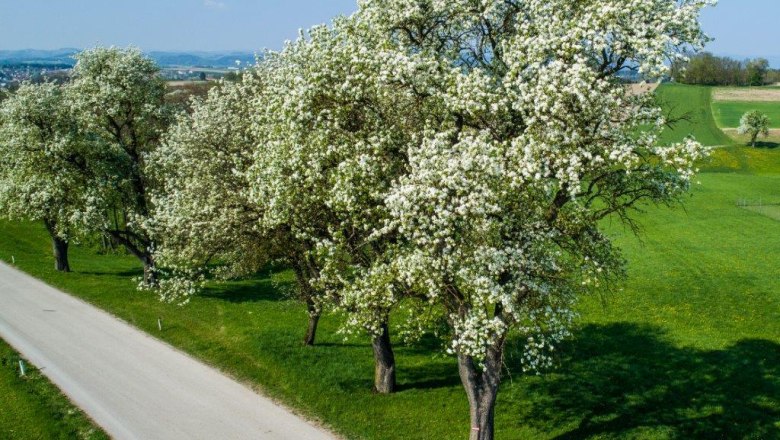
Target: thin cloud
pixel 213 4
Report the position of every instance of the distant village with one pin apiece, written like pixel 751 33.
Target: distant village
pixel 12 75
pixel 35 66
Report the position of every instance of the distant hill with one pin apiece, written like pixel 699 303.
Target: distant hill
pixel 202 59
pixel 64 57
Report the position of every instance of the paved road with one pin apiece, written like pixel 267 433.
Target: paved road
pixel 131 384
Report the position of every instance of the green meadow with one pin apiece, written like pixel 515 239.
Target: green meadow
pixel 687 347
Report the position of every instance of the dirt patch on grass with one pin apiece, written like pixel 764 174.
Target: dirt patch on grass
pixel 771 141
pixel 774 135
pixel 746 94
pixel 773 132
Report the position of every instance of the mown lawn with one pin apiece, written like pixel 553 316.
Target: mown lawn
pixel 32 408
pixel 728 113
pixel 688 347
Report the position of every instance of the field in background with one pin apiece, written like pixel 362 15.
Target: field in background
pixel 750 94
pixel 687 347
pixel 32 408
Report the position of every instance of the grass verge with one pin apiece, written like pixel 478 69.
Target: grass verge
pixel 31 407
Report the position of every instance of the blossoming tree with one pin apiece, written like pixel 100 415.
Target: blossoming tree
pixel 333 142
pixel 754 123
pixel 42 163
pixel 203 209
pixel 118 101
pixel 200 206
pixel 527 141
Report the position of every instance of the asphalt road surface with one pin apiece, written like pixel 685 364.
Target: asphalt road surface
pixel 132 385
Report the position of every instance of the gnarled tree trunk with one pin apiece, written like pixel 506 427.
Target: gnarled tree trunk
pixel 59 247
pixel 384 362
pixel 481 385
pixel 314 319
pixel 307 295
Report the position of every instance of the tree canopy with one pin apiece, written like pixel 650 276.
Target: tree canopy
pixel 754 123
pixel 118 101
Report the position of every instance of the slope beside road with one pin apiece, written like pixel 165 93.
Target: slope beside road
pixel 132 385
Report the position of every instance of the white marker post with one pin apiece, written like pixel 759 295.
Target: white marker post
pixel 13 260
pixel 21 368
pixel 159 323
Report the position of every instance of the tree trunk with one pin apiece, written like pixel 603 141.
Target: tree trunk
pixel 481 385
pixel 314 319
pixel 60 254
pixel 384 362
pixel 140 250
pixel 150 274
pixel 59 247
pixel 306 294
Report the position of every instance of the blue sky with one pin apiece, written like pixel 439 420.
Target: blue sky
pixel 161 24
pixel 744 28
pixel 741 27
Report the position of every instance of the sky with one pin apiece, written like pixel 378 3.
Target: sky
pixel 202 25
pixel 741 28
pixel 744 28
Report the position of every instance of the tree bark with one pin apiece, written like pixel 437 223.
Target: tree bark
pixel 314 319
pixel 150 275
pixel 61 262
pixel 59 247
pixel 306 294
pixel 481 385
pixel 384 362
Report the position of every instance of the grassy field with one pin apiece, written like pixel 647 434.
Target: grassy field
pixel 688 347
pixel 693 103
pixel 728 113
pixel 32 408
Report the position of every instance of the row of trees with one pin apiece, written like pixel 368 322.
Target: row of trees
pixel 451 158
pixel 708 69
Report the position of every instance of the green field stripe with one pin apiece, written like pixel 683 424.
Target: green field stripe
pixel 694 103
pixel 728 113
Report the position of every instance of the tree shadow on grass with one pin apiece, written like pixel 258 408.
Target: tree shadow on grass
pixel 248 291
pixel 431 375
pixel 767 145
pixel 258 287
pixel 620 379
pixel 126 273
